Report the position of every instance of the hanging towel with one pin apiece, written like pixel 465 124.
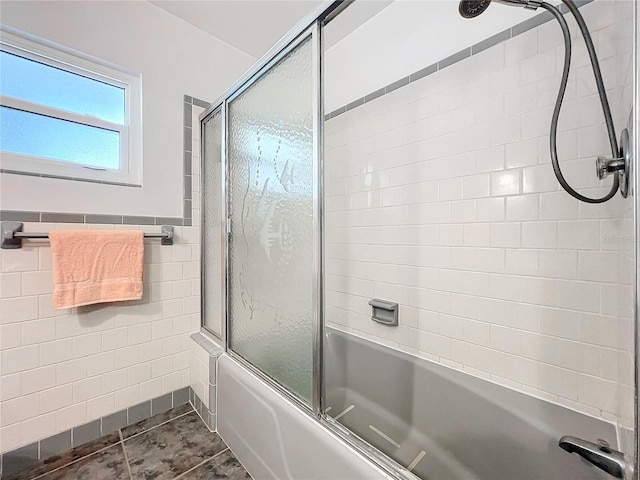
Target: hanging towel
pixel 96 266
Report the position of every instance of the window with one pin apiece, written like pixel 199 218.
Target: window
pixel 65 116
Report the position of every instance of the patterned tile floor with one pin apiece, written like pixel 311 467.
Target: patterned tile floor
pixel 171 445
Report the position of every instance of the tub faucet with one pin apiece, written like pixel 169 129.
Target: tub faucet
pixel 600 454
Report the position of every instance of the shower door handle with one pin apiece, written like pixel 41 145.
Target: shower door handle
pixel 599 454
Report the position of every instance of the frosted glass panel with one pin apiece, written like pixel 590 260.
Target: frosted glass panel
pixel 212 223
pixel 270 253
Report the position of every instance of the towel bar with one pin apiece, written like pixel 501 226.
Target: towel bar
pixel 12 234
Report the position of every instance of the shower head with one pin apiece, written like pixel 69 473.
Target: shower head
pixel 473 8
pixel 618 163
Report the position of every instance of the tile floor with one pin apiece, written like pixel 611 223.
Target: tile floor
pixel 171 445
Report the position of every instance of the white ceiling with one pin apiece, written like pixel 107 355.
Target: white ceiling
pixel 252 26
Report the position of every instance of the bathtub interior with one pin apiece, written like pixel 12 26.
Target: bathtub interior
pixel 445 424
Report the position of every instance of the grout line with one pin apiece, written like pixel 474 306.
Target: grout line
pixel 122 440
pixel 198 413
pixel 236 457
pixel 74 461
pixel 159 425
pixel 124 453
pixel 202 463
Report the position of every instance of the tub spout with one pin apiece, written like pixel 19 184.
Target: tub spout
pixel 599 454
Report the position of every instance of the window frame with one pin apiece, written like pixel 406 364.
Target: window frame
pixel 130 132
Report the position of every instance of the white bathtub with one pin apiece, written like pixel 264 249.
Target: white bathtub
pixel 276 440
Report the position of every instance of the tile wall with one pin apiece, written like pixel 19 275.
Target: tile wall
pixel 204 358
pixel 64 368
pixel 440 196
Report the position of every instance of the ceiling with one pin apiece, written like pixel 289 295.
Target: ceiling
pixel 252 26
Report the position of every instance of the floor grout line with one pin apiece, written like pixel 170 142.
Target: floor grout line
pixel 203 420
pixel 236 457
pixel 74 461
pixel 156 426
pixel 124 453
pixel 202 463
pixel 122 440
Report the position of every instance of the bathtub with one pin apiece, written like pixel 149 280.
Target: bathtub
pixel 276 440
pixel 438 422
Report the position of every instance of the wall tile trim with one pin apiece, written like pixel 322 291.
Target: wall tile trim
pixel 207 411
pixel 212 348
pixel 512 32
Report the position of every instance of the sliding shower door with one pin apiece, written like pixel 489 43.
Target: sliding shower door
pixel 270 151
pixel 212 224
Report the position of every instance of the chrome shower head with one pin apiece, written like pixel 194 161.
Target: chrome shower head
pixel 473 8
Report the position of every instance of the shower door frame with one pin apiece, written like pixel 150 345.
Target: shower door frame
pixel 312 33
pixel 223 244
pixel 311 26
pixel 635 143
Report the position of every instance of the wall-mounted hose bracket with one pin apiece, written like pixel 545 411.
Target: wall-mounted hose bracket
pixel 621 166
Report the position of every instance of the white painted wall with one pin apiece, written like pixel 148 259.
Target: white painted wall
pixel 174 59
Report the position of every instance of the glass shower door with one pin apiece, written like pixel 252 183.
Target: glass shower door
pixel 212 224
pixel 270 192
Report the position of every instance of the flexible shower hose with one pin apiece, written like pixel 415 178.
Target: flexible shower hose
pixel 563 86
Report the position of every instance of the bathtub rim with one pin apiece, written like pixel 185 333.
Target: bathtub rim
pixel 369 453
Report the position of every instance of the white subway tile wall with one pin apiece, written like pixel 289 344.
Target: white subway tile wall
pixel 204 357
pixel 199 380
pixel 440 196
pixel 63 368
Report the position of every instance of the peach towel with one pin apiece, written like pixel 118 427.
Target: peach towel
pixel 95 266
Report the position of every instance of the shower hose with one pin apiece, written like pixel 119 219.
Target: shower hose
pixel 563 86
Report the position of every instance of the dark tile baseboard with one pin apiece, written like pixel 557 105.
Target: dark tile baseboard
pixel 174 444
pixel 207 416
pixel 20 458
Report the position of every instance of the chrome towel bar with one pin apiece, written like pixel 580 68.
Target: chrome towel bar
pixel 12 234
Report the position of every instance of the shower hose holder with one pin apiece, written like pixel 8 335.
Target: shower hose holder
pixel 620 166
